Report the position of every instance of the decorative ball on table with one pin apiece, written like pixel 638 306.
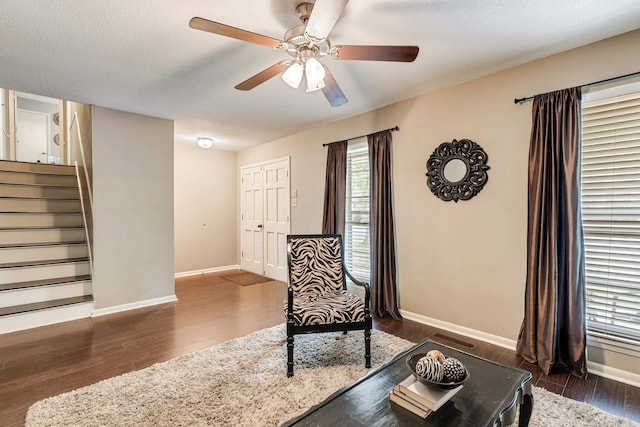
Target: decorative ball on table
pixel 436 354
pixel 430 369
pixel 454 370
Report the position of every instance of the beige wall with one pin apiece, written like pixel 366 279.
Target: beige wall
pixel 307 166
pixel 205 208
pixel 458 264
pixel 133 208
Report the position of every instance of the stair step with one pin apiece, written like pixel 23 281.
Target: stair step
pixel 40 219
pixel 28 316
pixel 37 245
pixel 31 191
pixel 44 265
pixel 11 177
pixel 24 272
pixel 43 282
pixel 25 235
pixel 17 204
pixel 34 294
pixel 42 251
pixel 16 309
pixel 23 264
pixel 14 166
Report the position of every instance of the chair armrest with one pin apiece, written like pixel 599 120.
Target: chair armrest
pixel 290 302
pixel 365 285
pixel 356 281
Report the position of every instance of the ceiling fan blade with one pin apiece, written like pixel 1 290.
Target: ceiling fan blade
pixel 233 32
pixel 375 53
pixel 332 91
pixel 323 17
pixel 263 76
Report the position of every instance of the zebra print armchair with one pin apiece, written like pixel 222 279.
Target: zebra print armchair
pixel 318 299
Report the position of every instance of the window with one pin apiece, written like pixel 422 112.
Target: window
pixel 611 214
pixel 356 235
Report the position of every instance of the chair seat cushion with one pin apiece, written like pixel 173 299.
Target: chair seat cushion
pixel 331 307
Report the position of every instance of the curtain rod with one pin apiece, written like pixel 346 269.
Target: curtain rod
pixel 355 137
pixel 530 98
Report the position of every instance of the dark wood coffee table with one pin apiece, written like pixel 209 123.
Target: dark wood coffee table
pixel 490 397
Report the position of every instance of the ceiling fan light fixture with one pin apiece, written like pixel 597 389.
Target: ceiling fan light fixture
pixel 293 75
pixel 314 72
pixel 204 142
pixel 314 87
pixel 306 44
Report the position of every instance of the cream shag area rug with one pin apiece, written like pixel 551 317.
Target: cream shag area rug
pixel 243 382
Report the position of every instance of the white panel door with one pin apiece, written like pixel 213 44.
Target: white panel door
pixel 32 130
pixel 265 218
pixel 276 219
pixel 251 219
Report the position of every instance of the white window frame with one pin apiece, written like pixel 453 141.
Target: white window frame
pixel 604 294
pixel 358 261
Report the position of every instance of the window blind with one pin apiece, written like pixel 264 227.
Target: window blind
pixel 356 237
pixel 611 216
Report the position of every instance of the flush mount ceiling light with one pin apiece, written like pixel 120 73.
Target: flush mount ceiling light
pixel 205 142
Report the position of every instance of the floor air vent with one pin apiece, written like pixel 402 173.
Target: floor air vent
pixel 440 336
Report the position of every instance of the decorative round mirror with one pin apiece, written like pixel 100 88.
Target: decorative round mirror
pixel 457 170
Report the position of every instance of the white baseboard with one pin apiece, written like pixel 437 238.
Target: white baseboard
pixel 594 368
pixel 614 374
pixel 206 270
pixel 133 305
pixel 462 330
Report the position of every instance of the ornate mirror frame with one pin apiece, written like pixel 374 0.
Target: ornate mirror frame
pixel 475 161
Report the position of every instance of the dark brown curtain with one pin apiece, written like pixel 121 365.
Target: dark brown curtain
pixel 335 188
pixel 383 251
pixel 553 332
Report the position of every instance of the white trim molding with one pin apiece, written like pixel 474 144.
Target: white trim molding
pixel 266 162
pixel 613 373
pixel 462 330
pixel 620 375
pixel 206 270
pixel 133 305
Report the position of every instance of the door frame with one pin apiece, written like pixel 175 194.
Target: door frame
pixel 287 207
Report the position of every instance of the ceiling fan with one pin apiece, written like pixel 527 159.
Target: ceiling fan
pixel 306 43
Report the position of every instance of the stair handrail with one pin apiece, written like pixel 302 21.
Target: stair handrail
pixel 84 160
pixel 84 218
pixel 88 183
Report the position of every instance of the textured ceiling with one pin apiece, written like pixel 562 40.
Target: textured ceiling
pixel 141 56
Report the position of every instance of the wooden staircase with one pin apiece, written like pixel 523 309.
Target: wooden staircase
pixel 45 273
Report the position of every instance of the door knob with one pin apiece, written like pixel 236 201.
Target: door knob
pixel 259 225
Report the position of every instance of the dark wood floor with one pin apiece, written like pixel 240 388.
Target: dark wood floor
pixel 46 361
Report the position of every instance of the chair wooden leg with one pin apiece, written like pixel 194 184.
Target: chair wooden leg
pixel 290 356
pixel 367 348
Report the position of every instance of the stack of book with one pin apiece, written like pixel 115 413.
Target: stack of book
pixel 420 398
